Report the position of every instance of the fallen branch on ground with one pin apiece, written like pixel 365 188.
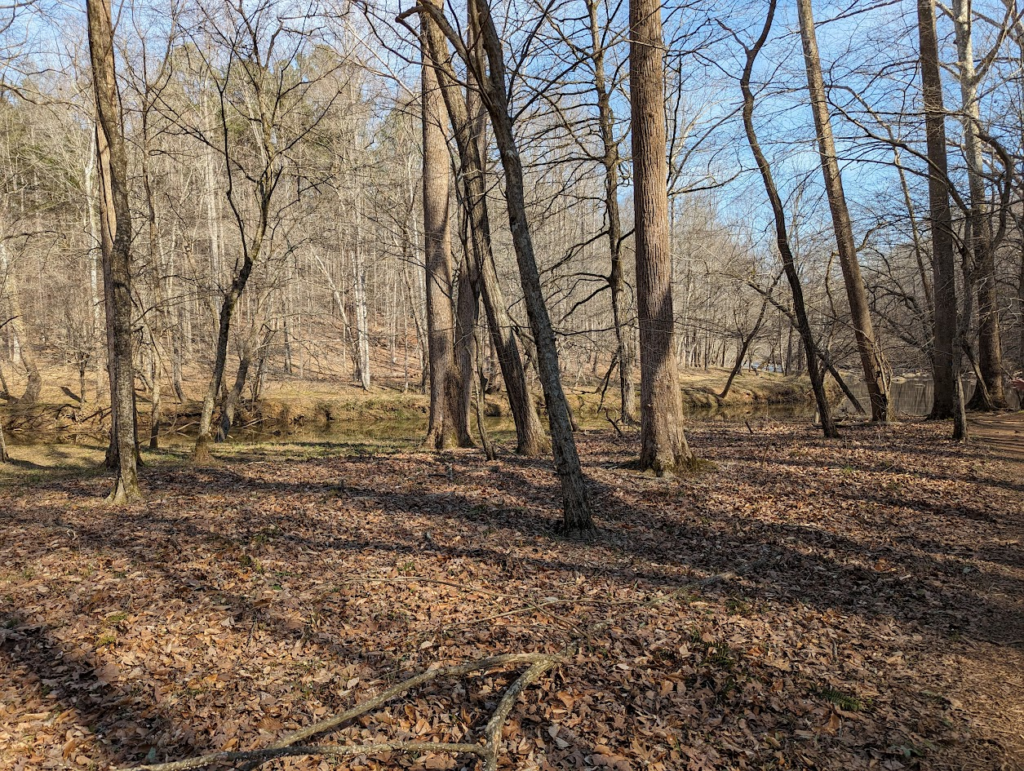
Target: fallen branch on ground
pixel 290 745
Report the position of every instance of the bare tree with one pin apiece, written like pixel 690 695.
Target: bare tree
pixel 871 359
pixel 576 516
pixel 945 350
pixel 445 385
pixel 988 392
pixel 663 442
pixel 814 369
pixel 117 236
pixel 481 277
pixel 17 324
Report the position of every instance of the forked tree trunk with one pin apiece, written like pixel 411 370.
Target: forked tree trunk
pixel 945 353
pixel 253 348
pixel 201 453
pixel 445 386
pixel 663 446
pixel 871 359
pixel 576 517
pixel 990 358
pixel 117 221
pixel 530 436
pixel 814 369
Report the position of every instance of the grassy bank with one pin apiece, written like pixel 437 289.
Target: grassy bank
pixel 293 406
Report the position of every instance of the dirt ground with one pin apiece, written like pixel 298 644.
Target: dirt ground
pixel 798 603
pixel 1002 433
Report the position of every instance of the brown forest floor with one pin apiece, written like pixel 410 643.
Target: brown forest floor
pixel 798 604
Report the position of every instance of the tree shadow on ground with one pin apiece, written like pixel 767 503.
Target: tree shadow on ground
pixel 673 535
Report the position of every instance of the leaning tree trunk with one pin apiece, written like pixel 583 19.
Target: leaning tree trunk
pixel 945 353
pixel 814 369
pixel 445 387
pixel 990 358
pixel 468 308
pixel 117 220
pixel 863 330
pixel 663 446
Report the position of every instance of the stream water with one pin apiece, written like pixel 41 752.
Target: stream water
pixel 910 397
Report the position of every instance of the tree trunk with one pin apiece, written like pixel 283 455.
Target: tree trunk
pixel 663 441
pixel 17 324
pixel 362 321
pixel 871 359
pixel 117 220
pixel 990 358
pixel 530 436
pixel 467 313
pixel 575 500
pixel 945 354
pixel 814 370
pixel 616 283
pixel 201 453
pixel 468 308
pixel 95 261
pixel 227 410
pixel 155 406
pixel 445 386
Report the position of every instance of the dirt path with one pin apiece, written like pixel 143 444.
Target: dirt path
pixel 1002 433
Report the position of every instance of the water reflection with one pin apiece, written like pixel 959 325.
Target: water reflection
pixel 910 396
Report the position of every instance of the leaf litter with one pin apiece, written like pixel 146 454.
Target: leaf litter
pixel 797 604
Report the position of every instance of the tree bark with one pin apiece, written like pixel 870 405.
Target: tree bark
pixel 814 370
pixel 468 134
pixel 445 385
pixel 945 354
pixel 117 219
pixel 25 347
pixel 466 314
pixel 871 359
pixel 616 283
pixel 990 358
pixel 663 441
pixel 362 321
pixel 576 517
